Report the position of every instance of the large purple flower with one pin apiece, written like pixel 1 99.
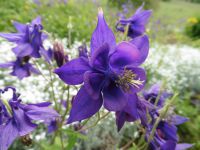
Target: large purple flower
pixel 136 23
pixel 28 39
pixel 19 122
pixel 109 75
pixel 21 67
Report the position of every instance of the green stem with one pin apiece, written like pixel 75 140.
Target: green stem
pixel 162 115
pixel 99 118
pixel 61 141
pixel 5 102
pixel 37 66
pixel 52 88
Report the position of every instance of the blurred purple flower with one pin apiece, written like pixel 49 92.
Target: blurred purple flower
pixel 109 75
pixel 19 123
pixel 155 91
pixel 136 23
pixel 29 39
pixel 21 67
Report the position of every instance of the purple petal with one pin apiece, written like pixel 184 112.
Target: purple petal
pixel 33 69
pixel 102 34
pixel 168 130
pixel 140 76
pixel 6 65
pixel 125 54
pixel 72 72
pixel 20 73
pixel 183 146
pixel 84 106
pixel 42 104
pixel 142 43
pixel 177 120
pixel 46 54
pixel 114 98
pixel 37 21
pixel 23 123
pixel 99 59
pixel 129 112
pixel 20 27
pixel 120 119
pixel 12 37
pixel 169 145
pixel 23 49
pixel 41 113
pixel 93 83
pixel 142 17
pixel 131 107
pixel 8 134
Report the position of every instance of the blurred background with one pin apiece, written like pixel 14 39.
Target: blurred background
pixel 174 31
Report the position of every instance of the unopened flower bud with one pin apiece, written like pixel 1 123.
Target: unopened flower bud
pixel 58 53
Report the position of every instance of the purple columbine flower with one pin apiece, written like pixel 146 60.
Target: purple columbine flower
pixel 155 91
pixel 21 67
pixel 109 75
pixel 19 123
pixel 29 39
pixel 136 23
pixel 166 138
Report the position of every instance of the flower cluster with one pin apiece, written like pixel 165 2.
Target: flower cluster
pixel 29 44
pixel 163 127
pixel 16 118
pixel 110 75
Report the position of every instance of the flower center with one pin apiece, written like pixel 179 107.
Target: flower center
pixel 128 79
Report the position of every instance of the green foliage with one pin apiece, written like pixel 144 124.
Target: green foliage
pixel 195 1
pixel 152 4
pixel 72 21
pixel 193 28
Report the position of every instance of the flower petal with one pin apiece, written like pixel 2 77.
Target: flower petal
pixel 183 146
pixel 99 59
pixel 102 34
pixel 21 72
pixel 114 98
pixel 23 123
pixel 72 72
pixel 168 130
pixel 20 27
pixel 142 43
pixel 93 83
pixel 125 54
pixel 120 119
pixel 41 113
pixel 84 106
pixel 169 145
pixel 6 65
pixel 37 21
pixel 131 107
pixel 129 112
pixel 8 134
pixel 12 37
pixel 177 120
pixel 23 49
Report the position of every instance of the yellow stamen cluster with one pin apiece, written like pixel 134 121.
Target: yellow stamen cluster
pixel 128 79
